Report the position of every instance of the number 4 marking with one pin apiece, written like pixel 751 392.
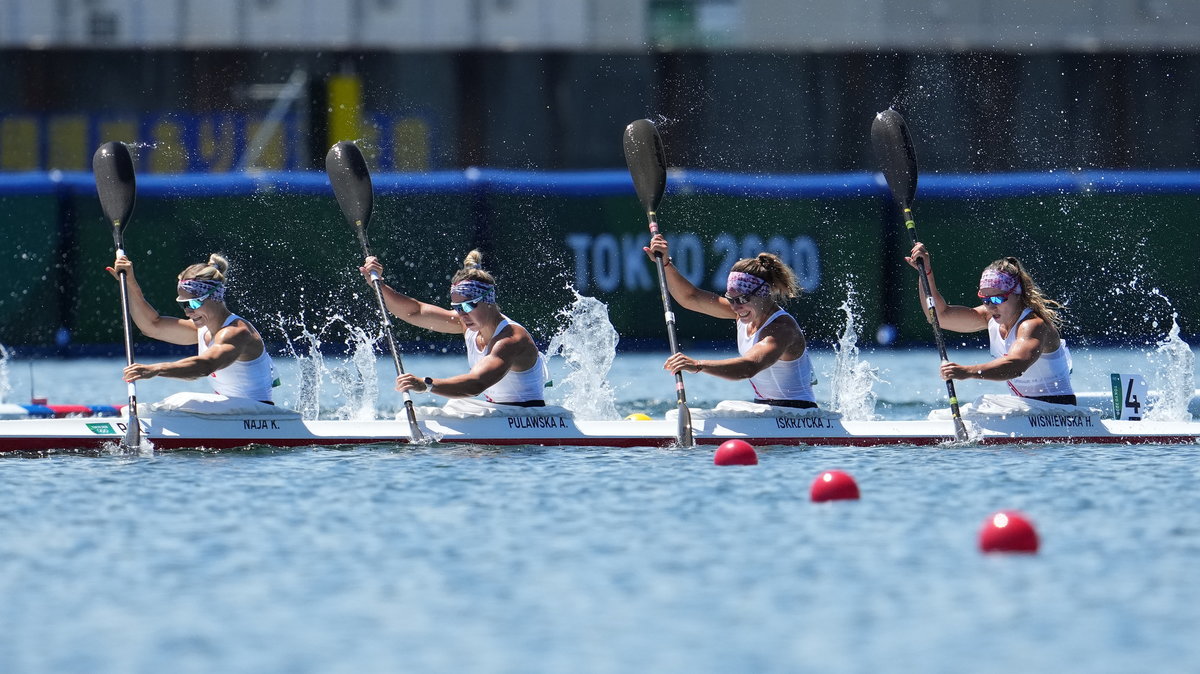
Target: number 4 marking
pixel 1132 402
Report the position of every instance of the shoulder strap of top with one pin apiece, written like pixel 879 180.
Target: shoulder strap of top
pixel 772 317
pixel 487 348
pixel 504 323
pixel 1012 332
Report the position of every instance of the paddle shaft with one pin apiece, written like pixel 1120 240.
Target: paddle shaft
pixel 960 429
pixel 661 266
pixel 685 416
pixel 133 432
pixel 385 324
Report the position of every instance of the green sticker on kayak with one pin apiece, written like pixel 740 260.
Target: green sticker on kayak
pixel 102 428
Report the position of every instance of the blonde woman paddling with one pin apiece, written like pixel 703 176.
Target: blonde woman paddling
pixel 231 351
pixel 773 353
pixel 505 364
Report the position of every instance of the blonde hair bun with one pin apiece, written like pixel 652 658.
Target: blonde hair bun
pixel 473 260
pixel 218 262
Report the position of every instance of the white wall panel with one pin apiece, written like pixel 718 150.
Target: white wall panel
pixel 1017 25
pixel 1149 23
pixel 297 23
pixel 404 24
pixel 211 23
pixel 116 23
pixel 28 22
pixel 153 23
pixel 813 25
pixel 532 24
pixel 618 24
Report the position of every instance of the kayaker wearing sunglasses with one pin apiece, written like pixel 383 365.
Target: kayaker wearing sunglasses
pixel 1022 324
pixel 774 354
pixel 506 366
pixel 231 351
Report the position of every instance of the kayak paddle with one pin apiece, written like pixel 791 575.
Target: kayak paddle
pixel 351 182
pixel 117 187
pixel 898 159
pixel 647 163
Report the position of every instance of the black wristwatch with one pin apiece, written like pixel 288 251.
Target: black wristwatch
pixel 429 384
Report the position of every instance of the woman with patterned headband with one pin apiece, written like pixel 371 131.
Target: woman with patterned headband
pixel 773 352
pixel 506 366
pixel 1022 324
pixel 231 351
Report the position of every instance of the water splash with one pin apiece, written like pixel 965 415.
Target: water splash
pixel 5 385
pixel 1149 298
pixel 358 386
pixel 305 349
pixel 1175 373
pixel 358 380
pixel 588 344
pixel 853 379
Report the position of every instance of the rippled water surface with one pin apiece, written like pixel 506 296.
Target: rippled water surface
pixel 526 559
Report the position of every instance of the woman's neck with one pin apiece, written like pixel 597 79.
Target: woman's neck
pixel 761 318
pixel 1009 321
pixel 219 315
pixel 487 326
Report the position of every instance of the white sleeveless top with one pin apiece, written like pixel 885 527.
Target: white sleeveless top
pixel 1050 374
pixel 251 379
pixel 514 387
pixel 784 380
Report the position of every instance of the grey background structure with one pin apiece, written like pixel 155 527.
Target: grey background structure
pixel 740 85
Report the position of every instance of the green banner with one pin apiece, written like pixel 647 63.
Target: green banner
pixel 1121 264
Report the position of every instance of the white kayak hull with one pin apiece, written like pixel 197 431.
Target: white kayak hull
pixel 222 432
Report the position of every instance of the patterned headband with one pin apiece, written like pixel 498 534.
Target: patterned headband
pixel 475 290
pixel 747 284
pixel 1000 280
pixel 203 288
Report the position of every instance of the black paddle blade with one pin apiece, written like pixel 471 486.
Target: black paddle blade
pixel 133 434
pixel 896 155
pixel 115 183
pixel 647 162
pixel 351 182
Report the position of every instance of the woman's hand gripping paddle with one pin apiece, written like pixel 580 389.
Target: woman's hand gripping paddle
pixel 117 187
pixel 898 160
pixel 352 186
pixel 648 166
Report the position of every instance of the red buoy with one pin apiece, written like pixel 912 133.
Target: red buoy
pixel 1008 531
pixel 735 453
pixel 834 485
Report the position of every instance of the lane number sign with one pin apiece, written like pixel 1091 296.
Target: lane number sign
pixel 1129 396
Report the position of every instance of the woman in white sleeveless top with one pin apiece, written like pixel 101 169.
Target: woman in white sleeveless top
pixel 506 366
pixel 230 351
pixel 773 352
pixel 1022 323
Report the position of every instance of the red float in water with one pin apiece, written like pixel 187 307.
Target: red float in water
pixel 735 453
pixel 834 485
pixel 1008 531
